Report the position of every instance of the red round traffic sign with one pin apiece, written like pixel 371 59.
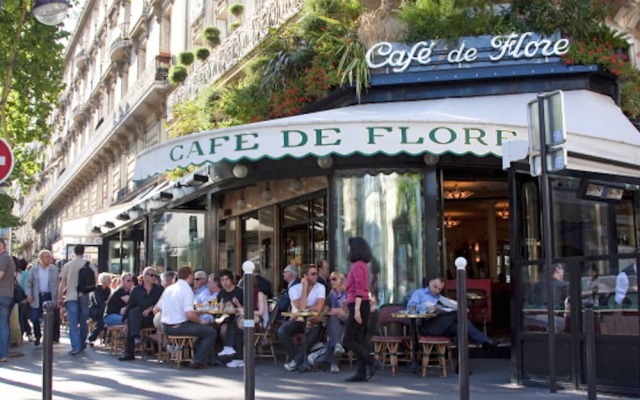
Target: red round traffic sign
pixel 6 160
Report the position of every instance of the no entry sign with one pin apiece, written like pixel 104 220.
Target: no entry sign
pixel 6 160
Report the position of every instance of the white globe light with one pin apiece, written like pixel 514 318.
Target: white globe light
pixel 461 263
pixel 50 12
pixel 248 267
pixel 325 162
pixel 240 171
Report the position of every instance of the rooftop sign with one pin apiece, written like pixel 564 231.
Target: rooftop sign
pixel 442 53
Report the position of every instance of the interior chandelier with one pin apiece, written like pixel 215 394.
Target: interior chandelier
pixel 457 194
pixel 450 222
pixel 503 213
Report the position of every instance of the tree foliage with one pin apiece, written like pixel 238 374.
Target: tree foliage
pixel 31 64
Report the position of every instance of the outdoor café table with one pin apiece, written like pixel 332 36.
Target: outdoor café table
pixel 305 315
pixel 413 317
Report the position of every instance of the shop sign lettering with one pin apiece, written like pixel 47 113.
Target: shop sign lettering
pixel 513 46
pixel 365 139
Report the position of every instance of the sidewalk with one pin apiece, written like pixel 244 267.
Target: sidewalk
pixel 97 375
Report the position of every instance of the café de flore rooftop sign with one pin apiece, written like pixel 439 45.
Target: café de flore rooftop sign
pixel 474 125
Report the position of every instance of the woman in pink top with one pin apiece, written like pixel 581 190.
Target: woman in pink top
pixel 355 332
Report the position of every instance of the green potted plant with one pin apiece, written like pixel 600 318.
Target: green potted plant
pixel 234 25
pixel 186 58
pixel 202 53
pixel 236 9
pixel 177 74
pixel 212 35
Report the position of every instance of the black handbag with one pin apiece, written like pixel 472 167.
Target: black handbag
pixel 18 293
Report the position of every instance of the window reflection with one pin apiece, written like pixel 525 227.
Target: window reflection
pixel 534 299
pixel 177 240
pixel 386 210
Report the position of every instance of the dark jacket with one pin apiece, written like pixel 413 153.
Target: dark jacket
pixel 98 302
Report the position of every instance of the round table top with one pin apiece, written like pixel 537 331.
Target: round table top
pixel 216 311
pixel 412 315
pixel 302 314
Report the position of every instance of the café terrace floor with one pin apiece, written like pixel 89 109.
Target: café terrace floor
pixel 95 374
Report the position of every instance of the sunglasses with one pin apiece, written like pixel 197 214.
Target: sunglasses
pixel 152 275
pixel 128 280
pixel 334 279
pixel 199 279
pixel 313 273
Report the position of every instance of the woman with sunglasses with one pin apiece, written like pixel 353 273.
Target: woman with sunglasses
pixel 359 254
pixel 115 307
pixel 337 312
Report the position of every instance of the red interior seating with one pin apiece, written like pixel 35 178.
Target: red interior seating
pixel 479 309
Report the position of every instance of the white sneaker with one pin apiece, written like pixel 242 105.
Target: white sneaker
pixel 338 350
pixel 227 351
pixel 235 364
pixel 334 368
pixel 291 365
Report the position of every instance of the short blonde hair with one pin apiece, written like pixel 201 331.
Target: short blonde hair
pixel 104 277
pixel 340 276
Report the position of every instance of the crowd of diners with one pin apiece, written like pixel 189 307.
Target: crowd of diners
pixel 172 304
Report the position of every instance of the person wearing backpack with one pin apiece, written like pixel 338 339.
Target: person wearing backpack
pixel 75 279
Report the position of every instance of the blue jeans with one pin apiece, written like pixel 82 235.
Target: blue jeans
pixel 113 319
pixel 5 310
pixel 77 314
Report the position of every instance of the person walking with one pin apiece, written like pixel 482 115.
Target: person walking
pixel 42 285
pixel 7 279
pixel 75 301
pixel 359 254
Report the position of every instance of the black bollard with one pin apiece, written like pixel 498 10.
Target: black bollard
pixel 590 349
pixel 47 350
pixel 249 329
pixel 463 334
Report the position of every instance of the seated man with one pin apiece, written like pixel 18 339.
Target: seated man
pixel 446 323
pixel 180 319
pixel 229 296
pixel 204 297
pixel 167 279
pixel 139 312
pixel 308 295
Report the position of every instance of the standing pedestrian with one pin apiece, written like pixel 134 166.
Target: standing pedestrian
pixel 42 285
pixel 355 334
pixel 75 301
pixel 7 279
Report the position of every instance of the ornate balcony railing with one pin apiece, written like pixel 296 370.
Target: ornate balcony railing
pixel 135 95
pixel 235 47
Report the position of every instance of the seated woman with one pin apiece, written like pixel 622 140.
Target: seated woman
pixel 337 311
pixel 98 303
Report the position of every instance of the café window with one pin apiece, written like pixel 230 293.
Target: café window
pixel 387 211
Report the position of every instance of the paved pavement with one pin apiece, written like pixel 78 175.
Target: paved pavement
pixel 97 375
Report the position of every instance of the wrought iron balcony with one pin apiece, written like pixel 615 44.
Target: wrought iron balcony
pixel 120 44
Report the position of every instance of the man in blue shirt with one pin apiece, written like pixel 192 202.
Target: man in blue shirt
pixel 445 323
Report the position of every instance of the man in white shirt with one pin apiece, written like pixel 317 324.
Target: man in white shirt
pixel 627 279
pixel 42 285
pixel 308 295
pixel 179 318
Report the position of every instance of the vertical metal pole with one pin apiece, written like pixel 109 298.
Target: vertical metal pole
pixel 590 350
pixel 463 334
pixel 249 329
pixel 47 350
pixel 547 245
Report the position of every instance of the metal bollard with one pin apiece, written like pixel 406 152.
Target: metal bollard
pixel 249 329
pixel 47 350
pixel 463 334
pixel 590 349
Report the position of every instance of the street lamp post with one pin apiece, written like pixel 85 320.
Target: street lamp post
pixel 249 329
pixel 50 12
